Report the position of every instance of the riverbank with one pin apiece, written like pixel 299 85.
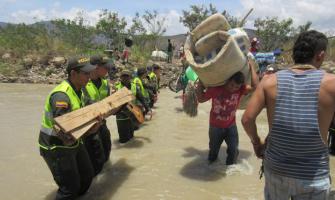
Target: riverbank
pixel 53 73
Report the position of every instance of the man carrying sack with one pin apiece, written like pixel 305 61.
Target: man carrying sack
pixel 67 158
pixel 225 101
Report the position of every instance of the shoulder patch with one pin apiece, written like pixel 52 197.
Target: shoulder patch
pixel 61 104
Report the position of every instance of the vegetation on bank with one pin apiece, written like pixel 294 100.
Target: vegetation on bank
pixel 72 37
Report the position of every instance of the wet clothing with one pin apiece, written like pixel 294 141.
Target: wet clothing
pixel 69 165
pixel 95 151
pixel 71 169
pixel 224 105
pixel 217 136
pixel 222 122
pixel 295 148
pixel 99 148
pixel 125 125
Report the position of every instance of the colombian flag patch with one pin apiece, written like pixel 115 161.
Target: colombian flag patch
pixel 61 104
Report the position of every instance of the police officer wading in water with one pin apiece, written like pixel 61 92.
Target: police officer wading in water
pixel 67 158
pixel 96 90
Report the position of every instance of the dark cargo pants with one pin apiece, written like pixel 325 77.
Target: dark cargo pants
pixel 95 151
pixel 72 170
pixel 217 136
pixel 106 140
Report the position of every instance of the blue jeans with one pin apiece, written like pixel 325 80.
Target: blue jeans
pixel 279 187
pixel 217 136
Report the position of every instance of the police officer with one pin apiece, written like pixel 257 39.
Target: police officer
pixel 140 82
pixel 125 125
pixel 66 157
pixel 96 90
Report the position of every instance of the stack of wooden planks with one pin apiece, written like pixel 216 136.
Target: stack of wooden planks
pixel 78 122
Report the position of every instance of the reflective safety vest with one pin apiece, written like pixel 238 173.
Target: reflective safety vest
pixel 118 85
pixel 138 81
pixel 153 78
pixel 48 119
pixel 96 94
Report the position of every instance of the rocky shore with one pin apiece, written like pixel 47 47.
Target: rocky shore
pixel 53 72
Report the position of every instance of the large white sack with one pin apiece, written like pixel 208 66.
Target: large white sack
pixel 229 60
pixel 159 55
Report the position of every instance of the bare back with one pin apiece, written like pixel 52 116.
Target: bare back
pixel 326 100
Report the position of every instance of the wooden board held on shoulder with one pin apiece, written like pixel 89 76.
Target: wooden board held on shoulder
pixel 79 120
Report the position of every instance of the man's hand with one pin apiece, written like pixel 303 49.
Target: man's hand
pixel 199 86
pixel 96 126
pixel 259 148
pixel 67 139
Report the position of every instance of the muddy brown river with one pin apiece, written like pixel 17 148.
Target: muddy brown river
pixel 165 161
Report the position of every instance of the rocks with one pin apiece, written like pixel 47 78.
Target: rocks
pixel 58 61
pixel 328 66
pixel 6 56
pixel 52 71
pixel 43 60
pixel 28 63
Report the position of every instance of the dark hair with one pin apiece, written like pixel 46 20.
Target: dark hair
pixel 238 78
pixel 307 45
pixel 69 71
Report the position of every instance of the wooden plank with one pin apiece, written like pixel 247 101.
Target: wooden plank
pixel 69 123
pixel 93 110
pixel 84 116
pixel 82 130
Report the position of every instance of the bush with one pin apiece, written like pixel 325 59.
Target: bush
pixel 140 54
pixel 8 69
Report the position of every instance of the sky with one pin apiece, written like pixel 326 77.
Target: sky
pixel 320 12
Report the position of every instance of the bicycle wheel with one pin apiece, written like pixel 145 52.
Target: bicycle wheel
pixel 173 85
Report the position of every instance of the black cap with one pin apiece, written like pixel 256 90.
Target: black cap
pixel 141 71
pixel 81 63
pixel 126 73
pixel 155 66
pixel 102 61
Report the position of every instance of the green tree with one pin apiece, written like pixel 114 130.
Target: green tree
pixel 199 13
pixel 113 27
pixel 155 27
pixel 196 15
pixel 273 33
pixel 305 27
pixel 74 33
pixel 22 38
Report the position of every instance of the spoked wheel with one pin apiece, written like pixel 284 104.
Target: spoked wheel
pixel 173 85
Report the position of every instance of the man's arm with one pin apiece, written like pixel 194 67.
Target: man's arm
pixel 254 107
pixel 200 92
pixel 60 104
pixel 254 77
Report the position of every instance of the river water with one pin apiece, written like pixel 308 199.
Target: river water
pixel 165 161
